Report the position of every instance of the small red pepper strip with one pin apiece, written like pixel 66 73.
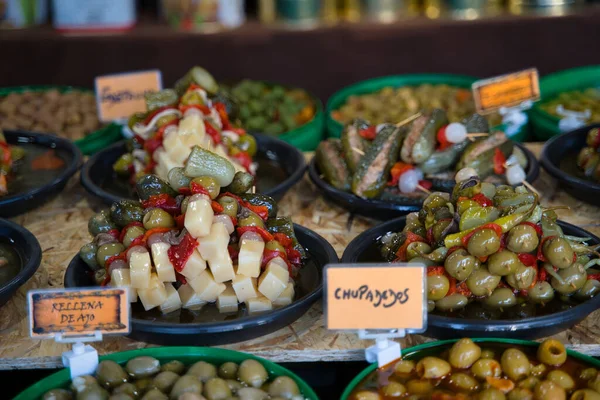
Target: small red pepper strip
pixel 540 252
pixel 283 239
pixel 179 221
pixel 114 233
pixel 196 188
pixel 233 252
pixel 499 161
pixel 482 200
pixel 193 86
pixel 162 201
pixel 180 253
pixel 229 194
pixel 463 289
pixel 220 107
pixel 368 133
pixel 397 170
pixel 293 256
pixel 268 255
pixel 425 184
pixel 410 238
pixel 216 207
pixel 212 132
pixel 6 154
pixel 186 191
pixel 124 230
pixel 180 278
pixel 152 231
pixel 239 131
pixel 439 270
pixel 594 276
pixel 138 241
pixel 542 274
pixel 452 250
pixel 444 143
pixel 243 159
pixel 527 259
pixel 452 286
pixel 201 107
pixel 261 211
pixel 495 227
pixel 537 228
pixel 267 237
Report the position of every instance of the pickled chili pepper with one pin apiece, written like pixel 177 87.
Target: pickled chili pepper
pixel 156 111
pixel 410 238
pixel 499 161
pixel 283 239
pixel 425 184
pixel 180 221
pixel 180 278
pixel 261 211
pixel 180 253
pixel 594 276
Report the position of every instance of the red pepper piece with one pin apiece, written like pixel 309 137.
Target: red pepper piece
pixel 397 170
pixel 594 276
pixel 261 211
pixel 239 131
pixel 268 255
pixel 229 194
pixel 527 259
pixel 452 286
pixel 540 252
pixel 124 230
pixel 439 270
pixel 114 233
pixel 193 86
pixel 138 241
pixel 293 256
pixel 499 161
pixel 179 221
pixel 180 278
pixel 162 201
pixel 410 238
pixel 452 250
pixel 216 207
pixel 220 107
pixel 463 289
pixel 201 107
pixel 542 274
pixel 442 140
pixel 6 154
pixel 243 159
pixel 196 188
pixel 495 227
pixel 152 231
pixel 283 239
pixel 482 200
pixel 212 132
pixel 368 133
pixel 233 253
pixel 537 228
pixel 180 253
pixel 155 112
pixel 267 237
pixel 186 191
pixel 425 184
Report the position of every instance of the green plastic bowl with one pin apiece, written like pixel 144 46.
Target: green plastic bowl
pixel 334 128
pixel 307 137
pixel 545 125
pixel 90 144
pixel 433 348
pixel 187 355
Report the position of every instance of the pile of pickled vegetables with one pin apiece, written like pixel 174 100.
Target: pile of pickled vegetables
pixel 195 113
pixel 388 162
pixel 587 100
pixel 588 159
pixel 199 238
pixel 493 245
pixel 484 371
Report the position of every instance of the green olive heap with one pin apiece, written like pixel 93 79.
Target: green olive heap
pixel 495 246
pixel 146 379
pixel 194 113
pixel 272 109
pixel 493 371
pixel 390 105
pixel 388 162
pixel 199 238
pixel 576 100
pixel 588 159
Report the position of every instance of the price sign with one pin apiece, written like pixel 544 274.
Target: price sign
pixel 506 90
pixel 121 95
pixel 78 312
pixel 375 297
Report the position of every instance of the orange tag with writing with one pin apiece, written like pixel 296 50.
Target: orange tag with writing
pixel 506 90
pixel 364 296
pixel 78 312
pixel 121 95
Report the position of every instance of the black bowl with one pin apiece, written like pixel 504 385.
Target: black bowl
pixel 384 209
pixel 34 188
pixel 559 159
pixel 364 249
pixel 207 327
pixel 28 249
pixel 280 166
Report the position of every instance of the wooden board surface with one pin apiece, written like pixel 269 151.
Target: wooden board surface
pixel 61 228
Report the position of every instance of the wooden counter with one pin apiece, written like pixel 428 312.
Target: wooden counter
pixel 61 228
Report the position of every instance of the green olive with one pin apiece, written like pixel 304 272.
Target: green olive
pixel 432 368
pixel 594 383
pixel 416 249
pixel 482 283
pixel 209 183
pixel 174 366
pixel 165 380
pixel 558 252
pixel 562 379
pixel 234 385
pixel 520 394
pixel 437 287
pixel 367 395
pixel 186 384
pixel 251 393
pixel 142 367
pixel 107 251
pixel 491 394
pixel 501 298
pixel 127 388
pixel 158 218
pixel 247 143
pixel 93 392
pixel 541 293
pixel 451 303
pixel 463 382
pixel 274 245
pixel 143 385
pixel 483 243
pixel 394 389
pixel 574 277
pixel 460 264
pixel 548 390
pixel 230 206
pixel 515 364
pixel 488 353
pixel 529 383
pixel 485 367
pixel 57 394
pixel 252 373
pixel 522 239
pixel 552 352
pixel 585 394
pixel 404 368
pixel 110 374
pixel 155 394
pixel 251 220
pixel 538 370
pixel 228 370
pixel 588 374
pixel 100 276
pixel 430 305
pixel 81 382
pixel 101 223
pixel 419 386
pixel 121 396
pixel 203 371
pixel 216 389
pixel 125 212
pixel 132 233
pixel 88 254
pixel 285 387
pixel 464 353
pixel 523 277
pixel 503 263
pixel 590 288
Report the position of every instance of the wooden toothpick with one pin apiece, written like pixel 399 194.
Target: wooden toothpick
pixel 421 188
pixel 530 187
pixel 359 151
pixel 253 190
pixel 407 120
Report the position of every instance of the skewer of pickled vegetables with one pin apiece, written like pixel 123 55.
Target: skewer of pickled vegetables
pixel 189 243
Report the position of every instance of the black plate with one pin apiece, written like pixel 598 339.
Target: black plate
pixel 559 159
pixel 207 327
pixel 364 249
pixel 280 166
pixel 383 209
pixel 28 249
pixel 30 189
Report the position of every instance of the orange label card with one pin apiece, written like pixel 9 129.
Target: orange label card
pixel 363 296
pixel 506 90
pixel 78 312
pixel 121 95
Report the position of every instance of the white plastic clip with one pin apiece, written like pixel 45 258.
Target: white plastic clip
pixel 83 358
pixel 384 351
pixel 571 120
pixel 514 118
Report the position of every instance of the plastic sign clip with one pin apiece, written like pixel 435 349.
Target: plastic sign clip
pixel 385 350
pixel 571 120
pixel 81 360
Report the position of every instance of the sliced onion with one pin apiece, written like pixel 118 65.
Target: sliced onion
pixel 251 236
pixel 408 181
pixel 117 264
pixel 225 220
pixel 135 249
pixel 143 130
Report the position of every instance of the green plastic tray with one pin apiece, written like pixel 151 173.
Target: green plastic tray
pixel 428 349
pixel 334 128
pixel 93 142
pixel 187 355
pixel 307 136
pixel 545 125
